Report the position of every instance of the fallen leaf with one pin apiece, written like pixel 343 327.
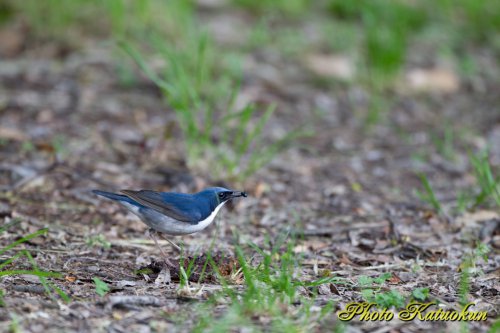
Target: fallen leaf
pixel 324 289
pixel 394 279
pixel 163 277
pixel 70 278
pixel 334 289
pixel 345 260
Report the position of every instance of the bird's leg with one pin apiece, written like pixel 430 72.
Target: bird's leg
pixel 151 234
pixel 177 247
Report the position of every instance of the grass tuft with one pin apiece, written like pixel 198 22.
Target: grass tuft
pixel 49 287
pixel 274 293
pixel 488 184
pixel 428 194
pixel 101 287
pixel 219 135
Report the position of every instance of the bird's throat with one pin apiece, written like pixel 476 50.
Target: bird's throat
pixel 210 218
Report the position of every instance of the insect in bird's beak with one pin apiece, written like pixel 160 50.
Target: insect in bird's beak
pixel 237 194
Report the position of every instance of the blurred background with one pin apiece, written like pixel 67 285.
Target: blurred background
pixel 241 80
pixel 375 96
pixel 330 113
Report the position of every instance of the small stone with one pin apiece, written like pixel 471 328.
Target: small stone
pixel 332 66
pixel 438 80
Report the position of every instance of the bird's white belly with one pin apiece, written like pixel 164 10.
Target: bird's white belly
pixel 168 225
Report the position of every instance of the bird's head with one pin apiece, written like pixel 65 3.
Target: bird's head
pixel 219 195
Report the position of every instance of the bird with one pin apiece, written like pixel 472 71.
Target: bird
pixel 174 213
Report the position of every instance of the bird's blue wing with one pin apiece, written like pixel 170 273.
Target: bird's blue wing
pixel 175 205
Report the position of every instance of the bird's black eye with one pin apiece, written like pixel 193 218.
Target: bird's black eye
pixel 221 195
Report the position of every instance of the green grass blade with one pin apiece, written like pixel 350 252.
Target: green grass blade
pixel 46 284
pixel 11 259
pixel 24 239
pixel 429 196
pixel 10 225
pixel 28 272
pixel 136 56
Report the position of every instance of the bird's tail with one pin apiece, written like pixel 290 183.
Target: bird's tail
pixel 112 196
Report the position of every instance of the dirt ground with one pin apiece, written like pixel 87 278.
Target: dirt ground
pixel 67 126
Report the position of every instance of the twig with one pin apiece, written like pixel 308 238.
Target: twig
pixel 137 243
pixel 402 264
pixel 29 289
pixel 337 230
pixel 124 300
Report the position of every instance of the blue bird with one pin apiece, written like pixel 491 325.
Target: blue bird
pixel 174 213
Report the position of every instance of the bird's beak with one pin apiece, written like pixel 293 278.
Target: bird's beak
pixel 237 194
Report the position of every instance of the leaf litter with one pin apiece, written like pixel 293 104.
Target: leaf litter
pixel 67 126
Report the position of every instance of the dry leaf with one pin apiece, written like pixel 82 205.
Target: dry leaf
pixel 394 279
pixel 70 278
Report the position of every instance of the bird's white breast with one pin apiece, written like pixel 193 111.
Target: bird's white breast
pixel 206 222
